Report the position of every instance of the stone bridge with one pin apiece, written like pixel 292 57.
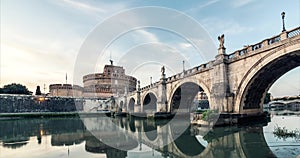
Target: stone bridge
pixel 234 83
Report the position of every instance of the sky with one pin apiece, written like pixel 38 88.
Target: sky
pixel 43 40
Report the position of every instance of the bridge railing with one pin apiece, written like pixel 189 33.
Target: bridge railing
pixel 274 40
pixel 270 41
pixel 293 32
pixel 257 46
pixel 200 68
pixel 149 86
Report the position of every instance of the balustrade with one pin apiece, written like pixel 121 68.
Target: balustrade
pixel 293 32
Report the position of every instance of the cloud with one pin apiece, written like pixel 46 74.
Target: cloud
pixel 147 36
pixel 145 60
pixel 228 27
pixel 32 59
pixel 241 3
pixel 31 67
pixel 123 44
pixel 85 6
pixel 202 5
pixel 184 45
pixel 94 8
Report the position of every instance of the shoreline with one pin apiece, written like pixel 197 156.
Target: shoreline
pixel 5 116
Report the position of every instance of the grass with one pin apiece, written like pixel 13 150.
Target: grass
pixel 283 133
pixel 209 114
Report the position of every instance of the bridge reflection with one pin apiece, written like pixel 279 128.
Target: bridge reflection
pixel 123 135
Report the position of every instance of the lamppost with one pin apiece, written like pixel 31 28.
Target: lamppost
pixel 283 26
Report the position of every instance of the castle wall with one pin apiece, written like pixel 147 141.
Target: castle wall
pixel 113 81
pixel 65 90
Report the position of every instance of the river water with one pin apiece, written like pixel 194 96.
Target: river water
pixel 130 137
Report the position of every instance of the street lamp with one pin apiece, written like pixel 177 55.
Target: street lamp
pixel 283 26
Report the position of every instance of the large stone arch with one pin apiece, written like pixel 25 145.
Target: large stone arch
pixel 149 102
pixel 261 76
pixel 153 91
pixel 192 80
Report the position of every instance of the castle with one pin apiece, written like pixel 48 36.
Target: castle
pixel 112 82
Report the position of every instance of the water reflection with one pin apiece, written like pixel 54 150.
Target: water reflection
pixel 138 137
pixel 94 145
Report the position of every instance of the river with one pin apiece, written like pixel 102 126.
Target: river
pixel 131 137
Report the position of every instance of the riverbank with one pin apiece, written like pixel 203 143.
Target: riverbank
pixel 229 119
pixel 4 116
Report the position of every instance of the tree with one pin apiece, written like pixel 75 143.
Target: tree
pixel 38 91
pixel 15 89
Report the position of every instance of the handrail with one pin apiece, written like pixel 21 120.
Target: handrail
pixel 270 41
pixel 293 32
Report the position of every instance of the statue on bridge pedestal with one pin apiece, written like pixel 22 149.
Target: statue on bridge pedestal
pixel 163 70
pixel 139 84
pixel 221 50
pixel 221 40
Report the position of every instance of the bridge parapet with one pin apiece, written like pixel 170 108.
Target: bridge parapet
pixel 178 76
pixel 189 72
pixel 153 85
pixel 293 32
pixel 266 44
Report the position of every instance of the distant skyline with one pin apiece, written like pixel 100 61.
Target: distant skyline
pixel 40 40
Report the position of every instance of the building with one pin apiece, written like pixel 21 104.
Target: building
pixel 201 96
pixel 65 90
pixel 112 82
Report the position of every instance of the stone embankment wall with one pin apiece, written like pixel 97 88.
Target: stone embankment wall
pixel 28 103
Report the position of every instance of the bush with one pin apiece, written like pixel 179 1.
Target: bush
pixel 209 114
pixel 282 132
pixel 15 89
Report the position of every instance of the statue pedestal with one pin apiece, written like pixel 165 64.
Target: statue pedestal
pixel 221 50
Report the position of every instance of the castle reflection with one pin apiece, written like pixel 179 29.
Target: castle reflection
pixel 115 137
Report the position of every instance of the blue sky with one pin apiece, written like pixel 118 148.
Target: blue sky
pixel 40 40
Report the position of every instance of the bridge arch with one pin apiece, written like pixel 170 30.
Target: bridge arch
pixel 261 76
pixel 149 102
pixel 190 85
pixel 131 105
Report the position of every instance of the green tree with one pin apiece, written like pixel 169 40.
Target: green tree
pixel 38 91
pixel 15 88
pixel 267 98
